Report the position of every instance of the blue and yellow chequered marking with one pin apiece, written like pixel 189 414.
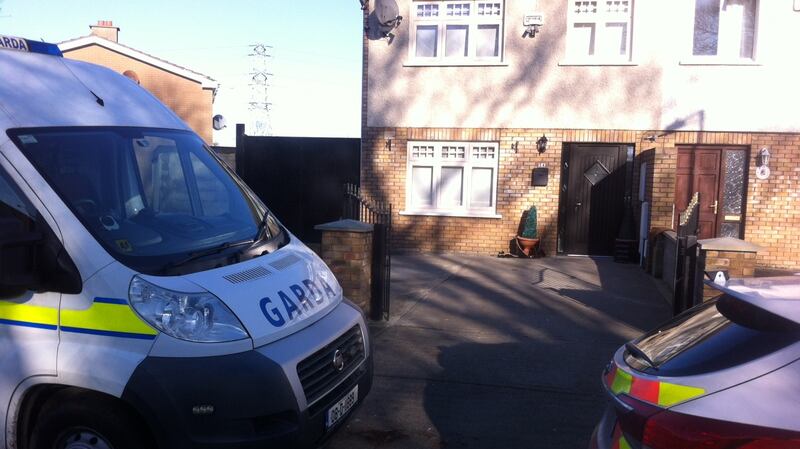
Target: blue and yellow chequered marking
pixel 108 317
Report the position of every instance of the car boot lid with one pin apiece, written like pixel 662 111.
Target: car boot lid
pixel 668 391
pixel 777 295
pixel 620 379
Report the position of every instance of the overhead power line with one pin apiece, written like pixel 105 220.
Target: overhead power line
pixel 260 77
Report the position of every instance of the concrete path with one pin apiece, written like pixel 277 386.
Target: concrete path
pixel 498 353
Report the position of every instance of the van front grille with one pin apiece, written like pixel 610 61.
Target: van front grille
pixel 328 367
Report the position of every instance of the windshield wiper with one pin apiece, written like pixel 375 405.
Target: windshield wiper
pixel 207 252
pixel 262 227
pixel 639 354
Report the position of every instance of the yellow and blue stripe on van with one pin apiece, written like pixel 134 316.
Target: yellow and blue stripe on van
pixel 106 317
pixel 13 314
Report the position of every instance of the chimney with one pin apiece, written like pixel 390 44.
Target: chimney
pixel 106 30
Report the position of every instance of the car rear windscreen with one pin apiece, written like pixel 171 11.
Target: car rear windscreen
pixel 721 333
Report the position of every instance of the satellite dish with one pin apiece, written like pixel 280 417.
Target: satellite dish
pixel 218 122
pixel 388 14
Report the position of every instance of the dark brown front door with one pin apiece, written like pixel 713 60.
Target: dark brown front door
pixel 717 174
pixel 592 197
pixel 699 171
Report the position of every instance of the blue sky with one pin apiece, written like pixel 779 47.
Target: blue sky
pixel 316 63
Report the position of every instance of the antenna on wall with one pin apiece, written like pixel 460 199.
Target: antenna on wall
pixel 260 76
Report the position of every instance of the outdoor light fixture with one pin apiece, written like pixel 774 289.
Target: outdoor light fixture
pixel 763 157
pixel 515 146
pixel 541 144
pixel 388 139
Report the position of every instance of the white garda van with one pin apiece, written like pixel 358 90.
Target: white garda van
pixel 147 297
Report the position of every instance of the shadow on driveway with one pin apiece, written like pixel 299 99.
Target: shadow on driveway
pixel 498 353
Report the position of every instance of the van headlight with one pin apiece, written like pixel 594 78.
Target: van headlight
pixel 198 317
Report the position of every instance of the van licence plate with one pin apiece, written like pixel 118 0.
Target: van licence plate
pixel 339 410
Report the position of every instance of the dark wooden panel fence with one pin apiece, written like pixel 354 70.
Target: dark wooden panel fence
pixel 301 179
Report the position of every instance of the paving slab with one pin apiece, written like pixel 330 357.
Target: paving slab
pixel 485 352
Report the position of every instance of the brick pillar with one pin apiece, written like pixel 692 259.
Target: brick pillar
pixel 735 256
pixel 347 250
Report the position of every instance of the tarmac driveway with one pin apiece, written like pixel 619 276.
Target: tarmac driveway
pixel 498 353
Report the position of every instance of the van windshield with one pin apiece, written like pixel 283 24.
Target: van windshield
pixel 151 197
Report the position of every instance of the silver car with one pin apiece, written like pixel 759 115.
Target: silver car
pixel 724 374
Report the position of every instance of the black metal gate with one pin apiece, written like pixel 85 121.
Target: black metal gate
pixel 689 262
pixel 379 214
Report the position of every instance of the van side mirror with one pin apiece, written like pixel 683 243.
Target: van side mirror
pixel 33 260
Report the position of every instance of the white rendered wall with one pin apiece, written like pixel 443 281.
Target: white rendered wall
pixel 536 88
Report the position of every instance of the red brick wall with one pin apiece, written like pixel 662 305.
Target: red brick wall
pixel 383 174
pixel 349 256
pixel 772 211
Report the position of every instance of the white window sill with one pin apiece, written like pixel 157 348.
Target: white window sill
pixel 462 214
pixel 453 63
pixel 718 61
pixel 592 63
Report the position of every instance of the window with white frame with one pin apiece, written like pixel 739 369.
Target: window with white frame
pixel 444 32
pixel 599 30
pixel 452 178
pixel 724 29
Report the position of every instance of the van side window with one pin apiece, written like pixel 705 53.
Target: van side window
pixel 14 208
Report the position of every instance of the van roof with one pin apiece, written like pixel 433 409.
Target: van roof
pixel 39 90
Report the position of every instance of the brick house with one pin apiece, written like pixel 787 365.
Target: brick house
pixel 189 94
pixel 641 103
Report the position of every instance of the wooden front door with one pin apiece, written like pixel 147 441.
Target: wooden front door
pixel 593 197
pixel 718 175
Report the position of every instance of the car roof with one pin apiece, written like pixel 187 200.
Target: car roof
pixel 39 90
pixel 779 295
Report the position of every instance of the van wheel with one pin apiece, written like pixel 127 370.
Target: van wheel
pixel 75 420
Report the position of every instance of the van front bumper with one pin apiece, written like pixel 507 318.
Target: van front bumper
pixel 255 396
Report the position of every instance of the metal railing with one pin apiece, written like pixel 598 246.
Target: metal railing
pixel 378 213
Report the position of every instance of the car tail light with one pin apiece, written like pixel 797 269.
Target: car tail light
pixel 632 416
pixel 670 430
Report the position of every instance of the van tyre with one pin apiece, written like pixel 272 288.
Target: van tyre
pixel 77 420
